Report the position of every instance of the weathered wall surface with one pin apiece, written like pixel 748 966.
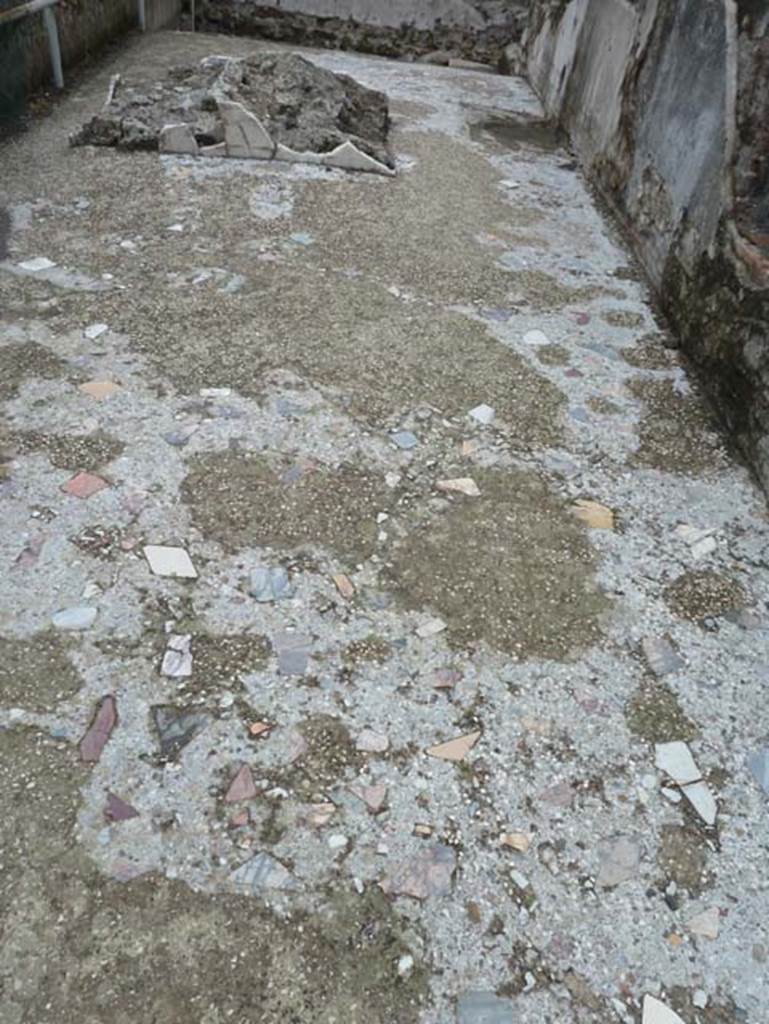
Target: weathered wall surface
pixel 478 29
pixel 85 26
pixel 667 103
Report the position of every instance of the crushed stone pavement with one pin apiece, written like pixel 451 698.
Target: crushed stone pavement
pixel 292 329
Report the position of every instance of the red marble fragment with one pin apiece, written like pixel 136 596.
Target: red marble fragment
pixel 100 730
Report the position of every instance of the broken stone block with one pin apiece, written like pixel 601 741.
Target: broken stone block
pixel 426 875
pixel 294 156
pixel 350 158
pixel 245 135
pixel 178 138
pixel 218 149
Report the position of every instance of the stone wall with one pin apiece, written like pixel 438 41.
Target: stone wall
pixel 667 104
pixel 475 29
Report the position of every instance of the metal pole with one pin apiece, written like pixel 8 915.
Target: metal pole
pixel 192 11
pixel 142 16
pixel 49 18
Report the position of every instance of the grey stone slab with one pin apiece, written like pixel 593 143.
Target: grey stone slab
pixel 620 861
pixel 263 872
pixel 404 439
pixel 759 767
pixel 270 585
pixel 661 655
pixel 484 1008
pixel 75 619
pixel 293 651
pixel 176 728
pixel 675 759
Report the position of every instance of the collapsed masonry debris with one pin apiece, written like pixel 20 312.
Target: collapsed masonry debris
pixel 264 107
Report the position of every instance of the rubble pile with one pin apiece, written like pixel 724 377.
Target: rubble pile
pixel 266 107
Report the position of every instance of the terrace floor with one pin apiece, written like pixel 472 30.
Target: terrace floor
pixel 283 380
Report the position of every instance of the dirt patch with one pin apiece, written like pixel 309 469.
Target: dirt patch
pixel 554 355
pixel 680 1000
pixel 243 501
pixel 99 541
pixel 513 567
pixel 371 648
pixel 223 660
pixel 36 672
pixel 654 714
pixel 604 406
pixel 545 292
pixel 26 360
pixel 676 432
pixel 623 318
pixel 80 947
pixel 68 451
pixel 696 595
pixel 649 354
pixel 682 856
pixel 330 754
